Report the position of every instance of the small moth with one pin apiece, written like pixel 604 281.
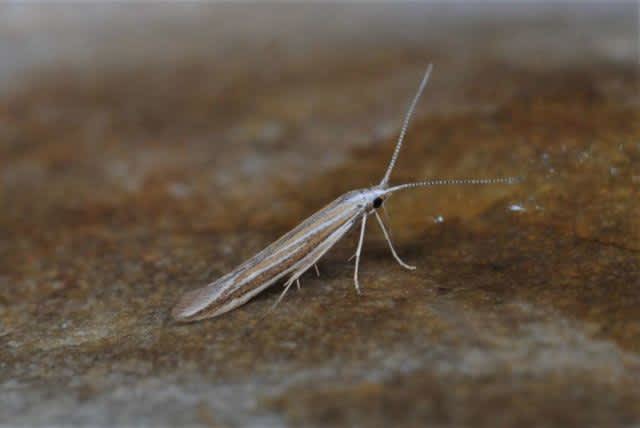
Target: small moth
pixel 301 248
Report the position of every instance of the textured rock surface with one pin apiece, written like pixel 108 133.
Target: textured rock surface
pixel 135 166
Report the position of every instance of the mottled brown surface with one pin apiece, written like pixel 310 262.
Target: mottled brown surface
pixel 124 184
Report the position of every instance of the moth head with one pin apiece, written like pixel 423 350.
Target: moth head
pixel 374 197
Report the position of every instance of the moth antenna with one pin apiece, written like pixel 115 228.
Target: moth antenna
pixel 405 125
pixel 443 182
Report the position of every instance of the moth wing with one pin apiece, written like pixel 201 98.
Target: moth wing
pixel 345 208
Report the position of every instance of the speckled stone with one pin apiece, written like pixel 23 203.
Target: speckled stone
pixel 123 185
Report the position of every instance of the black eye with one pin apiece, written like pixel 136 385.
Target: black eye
pixel 377 202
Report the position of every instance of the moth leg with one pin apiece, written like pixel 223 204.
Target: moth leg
pixel 388 238
pixel 317 270
pixel 298 283
pixel 287 285
pixel 358 251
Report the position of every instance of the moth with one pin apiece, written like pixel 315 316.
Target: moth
pixel 301 248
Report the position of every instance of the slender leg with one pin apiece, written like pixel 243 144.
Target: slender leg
pixel 317 270
pixel 358 251
pixel 393 251
pixel 298 283
pixel 287 285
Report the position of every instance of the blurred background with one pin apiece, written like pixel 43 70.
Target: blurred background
pixel 147 149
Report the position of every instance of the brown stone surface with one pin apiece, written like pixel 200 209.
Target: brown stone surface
pixel 135 166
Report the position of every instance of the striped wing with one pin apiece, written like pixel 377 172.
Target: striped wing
pixel 310 239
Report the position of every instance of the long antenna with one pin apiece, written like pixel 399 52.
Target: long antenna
pixel 442 182
pixel 405 125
